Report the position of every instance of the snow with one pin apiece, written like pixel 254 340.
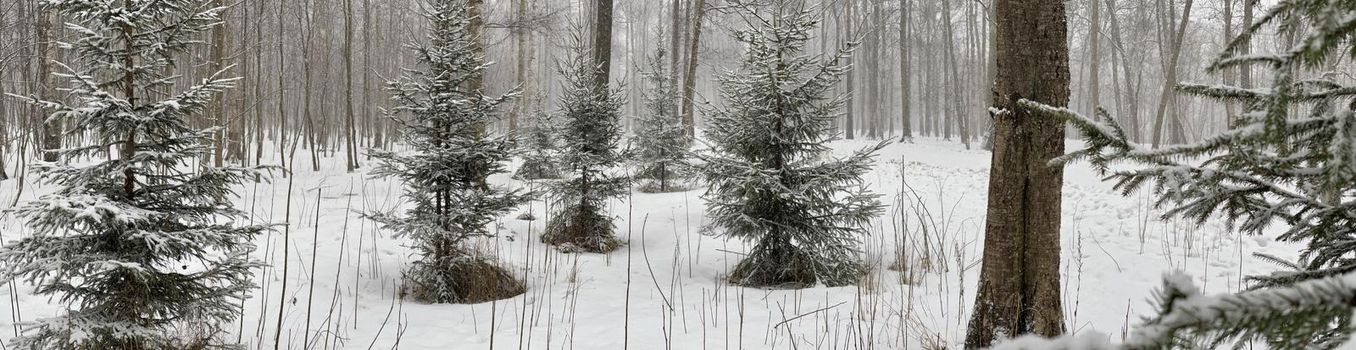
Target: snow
pixel 665 289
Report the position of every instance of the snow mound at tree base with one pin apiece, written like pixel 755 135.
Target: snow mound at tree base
pixel 785 266
pixel 461 278
pixel 581 228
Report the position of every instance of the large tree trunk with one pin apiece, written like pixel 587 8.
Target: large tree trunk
pixel 690 78
pixel 905 128
pixel 1019 289
pixel 602 42
pixel 1170 75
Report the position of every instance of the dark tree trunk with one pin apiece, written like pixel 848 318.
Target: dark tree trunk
pixel 602 42
pixel 350 129
pixel 1019 289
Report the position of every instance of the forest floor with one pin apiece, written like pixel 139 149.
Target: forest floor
pixel 665 289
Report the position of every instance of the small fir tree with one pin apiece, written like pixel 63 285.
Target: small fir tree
pixel 1289 158
pixel 451 155
pixel 589 134
pixel 770 180
pixel 139 245
pixel 539 147
pixel 661 145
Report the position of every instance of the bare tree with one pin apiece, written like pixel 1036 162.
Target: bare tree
pixel 1095 61
pixel 51 130
pixel 1173 53
pixel 350 131
pixel 904 84
pixel 690 78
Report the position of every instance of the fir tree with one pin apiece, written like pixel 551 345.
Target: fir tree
pixel 770 182
pixel 140 245
pixel 539 148
pixel 660 142
pixel 590 132
pixel 451 155
pixel 1290 158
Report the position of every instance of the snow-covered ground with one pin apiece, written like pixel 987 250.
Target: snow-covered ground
pixel 665 288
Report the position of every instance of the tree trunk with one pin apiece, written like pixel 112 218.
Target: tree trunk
pixel 350 131
pixel 849 129
pixel 371 135
pixel 1228 75
pixel 129 147
pixel 1170 75
pixel 675 39
pixel 217 63
pixel 520 73
pixel 258 82
pixel 1095 62
pixel 51 129
pixel 690 78
pixel 1019 289
pixel 1245 69
pixel 953 82
pixel 311 131
pixel 905 128
pixel 4 111
pixel 602 43
pixel 281 93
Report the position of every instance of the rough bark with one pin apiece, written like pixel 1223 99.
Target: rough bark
pixel 1019 289
pixel 602 42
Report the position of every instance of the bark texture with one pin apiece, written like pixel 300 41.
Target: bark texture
pixel 1019 289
